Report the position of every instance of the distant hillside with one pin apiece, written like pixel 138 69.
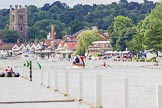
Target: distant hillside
pixel 70 20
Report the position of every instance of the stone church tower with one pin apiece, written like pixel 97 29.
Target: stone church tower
pixel 18 21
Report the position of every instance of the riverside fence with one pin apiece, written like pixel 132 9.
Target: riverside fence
pixel 92 88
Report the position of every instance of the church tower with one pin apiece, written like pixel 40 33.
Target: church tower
pixel 18 21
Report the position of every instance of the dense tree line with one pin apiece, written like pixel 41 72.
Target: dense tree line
pixel 70 20
pixel 149 32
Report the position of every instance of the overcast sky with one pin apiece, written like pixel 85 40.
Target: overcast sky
pixel 40 3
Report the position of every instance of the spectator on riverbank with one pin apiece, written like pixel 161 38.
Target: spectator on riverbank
pixel 9 69
pixel 76 60
pixel 82 60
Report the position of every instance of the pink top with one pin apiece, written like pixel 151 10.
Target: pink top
pixel 9 69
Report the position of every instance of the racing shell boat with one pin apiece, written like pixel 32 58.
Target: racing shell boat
pixel 9 74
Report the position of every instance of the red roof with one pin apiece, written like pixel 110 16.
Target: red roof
pixel 62 43
pixel 103 36
pixel 6 46
pixel 48 42
pixel 71 45
pixel 52 43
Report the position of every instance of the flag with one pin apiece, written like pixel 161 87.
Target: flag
pixel 39 65
pixel 27 63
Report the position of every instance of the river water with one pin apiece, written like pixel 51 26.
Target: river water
pixel 142 79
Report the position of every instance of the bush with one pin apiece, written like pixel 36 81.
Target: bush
pixel 142 59
pixel 139 59
pixel 152 59
pixel 42 55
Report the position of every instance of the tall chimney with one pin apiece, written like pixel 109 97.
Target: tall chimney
pixel 53 32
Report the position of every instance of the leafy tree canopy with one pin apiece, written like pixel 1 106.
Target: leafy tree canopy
pixel 78 17
pixel 136 44
pixel 85 39
pixel 120 32
pixel 152 26
pixel 9 35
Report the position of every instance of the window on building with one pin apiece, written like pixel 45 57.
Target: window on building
pixel 21 18
pixel 21 29
pixel 13 18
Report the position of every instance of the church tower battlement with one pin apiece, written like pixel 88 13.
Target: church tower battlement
pixel 18 21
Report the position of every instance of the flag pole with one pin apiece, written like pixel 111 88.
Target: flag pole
pixel 30 70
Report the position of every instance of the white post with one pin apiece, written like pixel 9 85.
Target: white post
pixel 56 81
pixel 43 69
pixel 80 85
pixel 26 71
pixel 109 62
pixel 66 83
pixel 127 62
pixel 23 70
pixel 159 95
pixel 117 63
pixel 145 62
pixel 133 61
pixel 122 63
pixel 153 62
pixel 19 70
pixel 125 93
pixel 113 61
pixel 98 91
pixel 48 85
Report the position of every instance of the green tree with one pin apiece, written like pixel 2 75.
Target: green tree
pixel 152 25
pixel 85 39
pixel 3 22
pixel 45 26
pixel 32 33
pixel 121 32
pixel 136 44
pixel 9 36
pixel 125 36
pixel 32 14
pixel 87 15
pixel 76 26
